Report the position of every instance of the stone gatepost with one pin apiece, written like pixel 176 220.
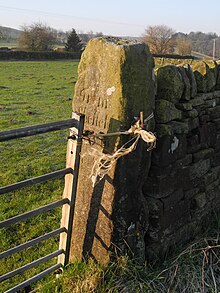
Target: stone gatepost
pixel 115 82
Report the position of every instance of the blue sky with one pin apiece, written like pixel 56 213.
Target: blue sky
pixel 114 17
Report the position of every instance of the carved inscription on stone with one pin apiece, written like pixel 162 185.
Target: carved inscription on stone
pixel 94 104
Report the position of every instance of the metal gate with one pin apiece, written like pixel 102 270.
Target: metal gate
pixel 76 125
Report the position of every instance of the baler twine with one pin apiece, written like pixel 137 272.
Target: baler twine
pixel 104 162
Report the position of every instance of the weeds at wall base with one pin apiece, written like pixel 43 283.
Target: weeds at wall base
pixel 194 269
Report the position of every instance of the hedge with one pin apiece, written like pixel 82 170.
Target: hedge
pixel 29 55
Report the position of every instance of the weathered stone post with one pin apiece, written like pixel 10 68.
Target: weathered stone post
pixel 115 82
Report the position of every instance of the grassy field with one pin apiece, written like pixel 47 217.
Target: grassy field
pixel 12 44
pixel 32 93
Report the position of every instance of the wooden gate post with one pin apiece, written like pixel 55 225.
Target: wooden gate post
pixel 72 161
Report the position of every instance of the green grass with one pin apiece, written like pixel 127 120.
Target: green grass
pixel 10 44
pixel 32 93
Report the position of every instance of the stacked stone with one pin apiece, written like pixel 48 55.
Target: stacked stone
pixel 160 61
pixel 182 189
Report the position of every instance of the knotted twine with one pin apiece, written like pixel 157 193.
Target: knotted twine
pixel 104 162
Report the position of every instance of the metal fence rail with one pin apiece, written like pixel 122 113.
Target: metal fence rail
pixel 34 279
pixel 32 242
pixel 35 212
pixel 32 181
pixel 37 129
pixel 31 265
pixel 76 125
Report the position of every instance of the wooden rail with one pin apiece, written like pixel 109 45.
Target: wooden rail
pixel 72 161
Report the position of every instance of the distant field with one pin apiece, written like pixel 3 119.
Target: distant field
pixel 32 93
pixel 9 45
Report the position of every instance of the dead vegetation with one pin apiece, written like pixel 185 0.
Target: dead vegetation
pixel 195 269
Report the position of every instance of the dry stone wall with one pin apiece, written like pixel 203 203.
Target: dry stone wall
pixel 149 201
pixel 183 189
pixel 162 61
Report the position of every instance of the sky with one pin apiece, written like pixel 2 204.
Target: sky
pixel 113 17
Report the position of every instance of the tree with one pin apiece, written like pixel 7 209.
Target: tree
pixel 159 39
pixel 1 35
pixel 183 46
pixel 73 42
pixel 203 43
pixel 61 37
pixel 37 37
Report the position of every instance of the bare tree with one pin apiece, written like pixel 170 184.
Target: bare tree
pixel 183 46
pixel 37 37
pixel 159 39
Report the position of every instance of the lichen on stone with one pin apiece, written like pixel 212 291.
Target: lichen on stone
pixel 170 85
pixel 205 78
pixel 166 111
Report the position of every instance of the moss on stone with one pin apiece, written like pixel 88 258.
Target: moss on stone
pixel 213 66
pixel 115 82
pixel 123 65
pixel 203 154
pixel 163 129
pixel 166 111
pixel 170 84
pixel 192 80
pixel 171 61
pixel 138 80
pixel 179 127
pixel 218 77
pixel 191 114
pixel 199 169
pixel 186 91
pixel 184 106
pixel 205 78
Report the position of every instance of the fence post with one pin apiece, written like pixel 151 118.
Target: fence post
pixel 72 161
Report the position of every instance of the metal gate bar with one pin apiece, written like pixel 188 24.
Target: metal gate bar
pixel 31 265
pixel 76 125
pixel 35 212
pixel 37 129
pixel 32 181
pixel 32 242
pixel 34 279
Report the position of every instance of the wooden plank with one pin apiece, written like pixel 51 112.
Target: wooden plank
pixel 35 180
pixel 72 161
pixel 34 279
pixel 32 242
pixel 31 265
pixel 37 129
pixel 35 212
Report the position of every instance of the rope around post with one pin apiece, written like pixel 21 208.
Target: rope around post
pixel 104 162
